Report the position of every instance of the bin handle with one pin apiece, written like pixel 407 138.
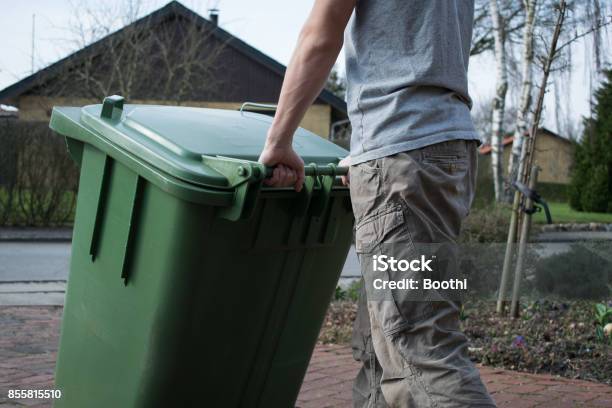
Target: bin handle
pixel 314 170
pixel 247 177
pixel 240 171
pixel 260 106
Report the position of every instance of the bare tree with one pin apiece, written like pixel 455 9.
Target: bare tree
pixel 535 19
pixel 526 89
pixel 482 112
pixel 572 22
pixel 499 103
pixel 482 33
pixel 171 57
pixel 336 83
pixel 551 60
pixel 165 56
pixel 528 153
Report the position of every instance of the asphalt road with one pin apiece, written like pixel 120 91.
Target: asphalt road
pixel 34 261
pixel 35 272
pixel 49 261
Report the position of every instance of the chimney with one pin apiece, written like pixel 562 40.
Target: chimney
pixel 213 15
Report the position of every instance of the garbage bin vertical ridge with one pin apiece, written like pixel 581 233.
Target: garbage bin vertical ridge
pixel 269 338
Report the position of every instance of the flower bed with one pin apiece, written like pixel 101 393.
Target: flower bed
pixel 551 337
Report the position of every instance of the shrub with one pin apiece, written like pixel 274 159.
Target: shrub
pixel 8 171
pixel 351 293
pixel 579 173
pixel 594 196
pixel 39 180
pixel 577 274
pixel 553 192
pixel 591 187
pixel 487 224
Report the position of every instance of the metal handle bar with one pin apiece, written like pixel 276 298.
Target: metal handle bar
pixel 260 106
pixel 316 170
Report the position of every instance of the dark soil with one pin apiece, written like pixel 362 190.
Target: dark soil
pixel 550 337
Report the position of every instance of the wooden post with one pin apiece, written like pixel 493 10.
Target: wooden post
pixel 520 260
pixel 501 302
pixel 526 151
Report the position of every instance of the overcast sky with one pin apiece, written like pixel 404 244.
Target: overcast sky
pixel 272 26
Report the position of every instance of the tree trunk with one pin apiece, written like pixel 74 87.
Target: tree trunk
pixel 499 103
pixel 526 88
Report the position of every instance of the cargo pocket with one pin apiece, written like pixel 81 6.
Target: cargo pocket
pixel 448 162
pixel 381 226
pixel 373 234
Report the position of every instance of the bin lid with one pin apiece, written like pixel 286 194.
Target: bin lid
pixel 174 138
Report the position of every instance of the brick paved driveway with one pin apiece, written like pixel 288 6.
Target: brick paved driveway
pixel 29 337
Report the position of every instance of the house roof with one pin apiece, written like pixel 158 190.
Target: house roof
pixel 174 8
pixel 7 111
pixel 508 139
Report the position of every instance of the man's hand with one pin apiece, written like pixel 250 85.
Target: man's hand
pixel 288 166
pixel 346 162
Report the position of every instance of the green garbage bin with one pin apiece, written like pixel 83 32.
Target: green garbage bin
pixel 191 283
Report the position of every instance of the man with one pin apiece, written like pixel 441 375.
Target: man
pixel 412 175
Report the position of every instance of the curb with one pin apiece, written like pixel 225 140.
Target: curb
pixel 577 227
pixel 572 236
pixel 63 234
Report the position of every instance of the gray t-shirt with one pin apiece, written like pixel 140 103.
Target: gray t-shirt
pixel 406 68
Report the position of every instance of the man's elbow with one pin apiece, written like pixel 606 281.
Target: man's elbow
pixel 317 39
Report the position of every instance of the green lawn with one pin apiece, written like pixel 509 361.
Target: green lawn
pixel 562 213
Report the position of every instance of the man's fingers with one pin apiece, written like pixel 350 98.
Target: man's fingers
pixel 273 179
pixel 299 174
pixel 299 183
pixel 283 176
pixel 288 167
pixel 346 162
pixel 291 177
pixel 286 176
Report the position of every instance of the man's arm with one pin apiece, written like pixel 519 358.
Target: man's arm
pixel 318 47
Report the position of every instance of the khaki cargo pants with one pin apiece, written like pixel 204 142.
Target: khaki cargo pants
pixel 413 353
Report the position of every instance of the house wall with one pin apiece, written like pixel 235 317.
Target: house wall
pixel 554 156
pixel 38 108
